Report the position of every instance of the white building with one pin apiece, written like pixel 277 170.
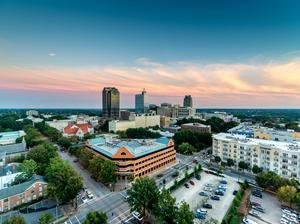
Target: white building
pixel 135 121
pixel 8 174
pixel 59 124
pixel 282 158
pixel 32 113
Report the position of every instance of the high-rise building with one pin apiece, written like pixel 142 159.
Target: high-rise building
pixel 141 102
pixel 111 102
pixel 188 101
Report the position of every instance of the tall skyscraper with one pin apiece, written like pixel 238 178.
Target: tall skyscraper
pixel 141 102
pixel 111 102
pixel 188 101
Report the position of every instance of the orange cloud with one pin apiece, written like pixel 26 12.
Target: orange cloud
pixel 228 81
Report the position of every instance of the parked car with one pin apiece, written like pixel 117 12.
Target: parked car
pixel 202 193
pixel 195 161
pixel 206 205
pixel 209 185
pixel 218 192
pixel 200 215
pixel 137 215
pixel 202 210
pixel 215 198
pixel 75 160
pixel 254 213
pixel 192 182
pixel 248 221
pixel 159 175
pixel 198 177
pixel 258 208
pixel 186 185
pixel 255 203
pixel 223 182
pixel 234 192
pixel 208 189
pixel 257 194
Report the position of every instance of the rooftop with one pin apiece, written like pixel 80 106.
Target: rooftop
pixel 9 169
pixel 20 188
pixel 196 125
pixel 5 136
pixel 137 147
pixel 13 148
pixel 294 146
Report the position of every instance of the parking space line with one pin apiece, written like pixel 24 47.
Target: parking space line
pixel 77 219
pixel 119 216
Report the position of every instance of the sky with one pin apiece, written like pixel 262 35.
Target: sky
pixel 226 54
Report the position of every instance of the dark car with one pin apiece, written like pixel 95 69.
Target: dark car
pixel 195 161
pixel 223 182
pixel 206 205
pixel 257 194
pixel 221 193
pixel 202 193
pixel 186 185
pixel 234 192
pixel 75 160
pixel 258 208
pixel 192 182
pixel 160 175
pixel 198 177
pixel 215 198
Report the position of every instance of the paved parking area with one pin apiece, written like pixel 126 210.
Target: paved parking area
pixel 191 195
pixel 272 209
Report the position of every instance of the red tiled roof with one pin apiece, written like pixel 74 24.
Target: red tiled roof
pixel 72 129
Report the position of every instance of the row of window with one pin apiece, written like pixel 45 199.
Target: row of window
pixel 150 170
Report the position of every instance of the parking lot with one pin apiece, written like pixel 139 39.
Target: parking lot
pixel 271 205
pixel 192 197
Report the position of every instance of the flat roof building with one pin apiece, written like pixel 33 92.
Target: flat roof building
pixel 196 127
pixel 137 157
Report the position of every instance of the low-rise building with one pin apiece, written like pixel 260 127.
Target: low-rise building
pixel 32 113
pixel 59 124
pixel 137 157
pixel 282 158
pixel 165 121
pixel 196 127
pixel 10 137
pixel 78 129
pixel 22 193
pixel 8 152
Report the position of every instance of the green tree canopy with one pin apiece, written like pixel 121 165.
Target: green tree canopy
pixel 287 194
pixel 64 181
pixel 167 208
pixel 230 162
pixel 95 217
pixel 243 165
pixel 46 218
pixel 64 142
pixel 42 154
pixel 256 169
pixel 184 214
pixel 29 167
pixel 186 149
pixel 15 220
pixel 144 196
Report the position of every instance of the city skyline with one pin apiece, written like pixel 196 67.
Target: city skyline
pixel 238 55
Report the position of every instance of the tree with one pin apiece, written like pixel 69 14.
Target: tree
pixel 167 209
pixel 218 159
pixel 256 169
pixel 143 196
pixel 198 140
pixel 84 157
pixel 230 162
pixel 95 217
pixel 64 183
pixel 186 149
pixel 15 220
pixel 42 154
pixel 45 218
pixel 243 165
pixel 29 167
pixel 88 136
pixel 64 142
pixel 184 214
pixel 108 172
pixel 287 194
pixel 140 133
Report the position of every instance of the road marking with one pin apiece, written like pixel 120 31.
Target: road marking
pixel 70 221
pixel 119 216
pixel 77 219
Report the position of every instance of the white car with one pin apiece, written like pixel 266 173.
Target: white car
pixel 137 215
pixel 202 210
pixel 248 221
pixel 84 199
pixel 89 195
pixel 254 213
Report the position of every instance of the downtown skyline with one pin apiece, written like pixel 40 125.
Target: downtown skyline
pixel 60 54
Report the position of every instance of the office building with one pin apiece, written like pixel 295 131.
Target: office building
pixel 111 102
pixel 283 158
pixel 165 121
pixel 124 115
pixel 135 121
pixel 137 157
pixel 188 101
pixel 196 127
pixel 141 102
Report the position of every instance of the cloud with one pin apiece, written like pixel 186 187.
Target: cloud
pixel 51 54
pixel 223 84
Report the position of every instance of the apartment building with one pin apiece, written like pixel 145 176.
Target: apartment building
pixel 137 157
pixel 22 193
pixel 282 158
pixel 196 127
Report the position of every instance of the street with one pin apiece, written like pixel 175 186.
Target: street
pixel 96 188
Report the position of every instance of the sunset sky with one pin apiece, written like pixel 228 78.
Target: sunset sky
pixel 61 53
